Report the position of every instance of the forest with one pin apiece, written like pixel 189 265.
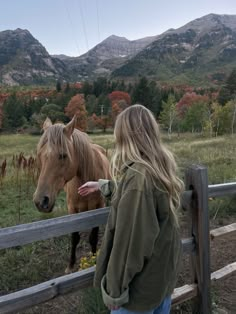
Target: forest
pixel 208 111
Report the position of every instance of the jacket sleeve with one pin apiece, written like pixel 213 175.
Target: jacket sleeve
pixel 136 231
pixel 106 187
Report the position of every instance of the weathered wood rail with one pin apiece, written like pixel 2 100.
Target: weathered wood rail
pixel 195 200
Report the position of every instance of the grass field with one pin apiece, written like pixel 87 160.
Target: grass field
pixel 25 266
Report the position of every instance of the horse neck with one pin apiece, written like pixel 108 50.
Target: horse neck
pixel 84 156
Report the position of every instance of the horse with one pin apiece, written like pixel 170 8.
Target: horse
pixel 67 159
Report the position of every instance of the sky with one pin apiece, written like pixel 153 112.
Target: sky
pixel 72 27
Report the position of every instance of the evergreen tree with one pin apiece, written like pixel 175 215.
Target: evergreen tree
pixel 58 86
pixel 100 86
pixel 141 92
pixel 67 88
pixel 87 89
pixel 228 92
pixel 231 83
pixel 147 94
pixel 13 110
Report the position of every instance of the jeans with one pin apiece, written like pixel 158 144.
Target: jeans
pixel 163 308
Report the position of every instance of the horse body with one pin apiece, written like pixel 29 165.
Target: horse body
pixel 68 159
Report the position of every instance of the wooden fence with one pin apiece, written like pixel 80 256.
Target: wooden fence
pixel 195 200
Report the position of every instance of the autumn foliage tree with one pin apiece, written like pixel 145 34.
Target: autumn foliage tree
pixel 188 100
pixel 119 101
pixel 76 106
pixel 118 95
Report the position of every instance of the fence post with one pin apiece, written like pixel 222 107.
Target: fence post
pixel 196 179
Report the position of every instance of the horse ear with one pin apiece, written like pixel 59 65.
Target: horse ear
pixel 47 123
pixel 69 128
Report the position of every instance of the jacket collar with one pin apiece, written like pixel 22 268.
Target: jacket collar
pixel 126 165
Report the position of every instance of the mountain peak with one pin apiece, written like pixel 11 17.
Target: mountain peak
pixel 24 60
pixel 114 37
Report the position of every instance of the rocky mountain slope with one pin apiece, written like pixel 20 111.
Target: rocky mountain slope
pixel 23 60
pixel 200 51
pixel 104 57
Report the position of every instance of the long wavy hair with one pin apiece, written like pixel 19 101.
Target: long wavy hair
pixel 138 140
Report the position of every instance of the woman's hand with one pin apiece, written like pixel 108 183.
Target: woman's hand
pixel 88 188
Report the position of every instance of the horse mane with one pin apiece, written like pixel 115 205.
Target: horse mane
pixel 58 142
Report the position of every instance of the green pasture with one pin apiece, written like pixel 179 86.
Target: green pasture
pixel 25 266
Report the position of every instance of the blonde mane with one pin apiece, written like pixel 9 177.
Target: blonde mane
pixel 56 141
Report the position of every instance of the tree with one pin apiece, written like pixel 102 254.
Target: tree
pixel 216 117
pixel 97 122
pixel 147 94
pixel 91 104
pixel 93 122
pixel 58 86
pixel 231 83
pixel 169 113
pixel 76 106
pixel 12 112
pixel 119 95
pixel 1 114
pixel 141 92
pixel 224 96
pixel 188 100
pixel 116 109
pixel 196 116
pixel 87 89
pixel 53 112
pixel 228 91
pixel 230 113
pixel 119 101
pixel 3 97
pixel 103 105
pixel 100 86
pixel 67 88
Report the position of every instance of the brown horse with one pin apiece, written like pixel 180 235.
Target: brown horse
pixel 67 159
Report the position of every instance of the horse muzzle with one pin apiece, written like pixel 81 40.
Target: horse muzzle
pixel 44 205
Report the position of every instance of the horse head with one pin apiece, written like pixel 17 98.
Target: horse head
pixel 57 162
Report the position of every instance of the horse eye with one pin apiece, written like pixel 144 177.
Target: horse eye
pixel 62 156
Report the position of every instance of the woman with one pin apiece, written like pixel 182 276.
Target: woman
pixel 140 254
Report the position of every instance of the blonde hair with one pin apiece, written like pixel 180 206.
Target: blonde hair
pixel 138 140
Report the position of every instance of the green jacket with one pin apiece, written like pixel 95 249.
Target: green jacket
pixel 140 253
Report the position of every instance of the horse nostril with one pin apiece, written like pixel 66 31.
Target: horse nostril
pixel 45 202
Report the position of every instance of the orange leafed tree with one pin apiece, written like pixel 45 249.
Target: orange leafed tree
pixel 117 107
pixel 103 122
pixel 188 100
pixel 76 106
pixel 118 95
pixel 119 101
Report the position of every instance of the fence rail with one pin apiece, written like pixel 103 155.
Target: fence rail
pixel 194 199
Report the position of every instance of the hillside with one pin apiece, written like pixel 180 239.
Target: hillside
pixel 203 50
pixel 105 57
pixel 23 60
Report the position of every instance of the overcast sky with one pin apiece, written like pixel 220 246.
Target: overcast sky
pixel 72 27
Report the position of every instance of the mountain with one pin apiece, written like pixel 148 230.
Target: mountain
pixel 23 60
pixel 104 57
pixel 201 51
